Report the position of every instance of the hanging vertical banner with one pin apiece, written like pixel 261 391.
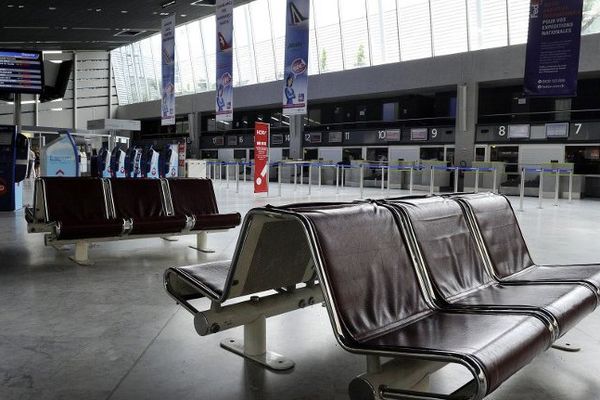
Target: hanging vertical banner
pixel 295 74
pixel 261 157
pixel 553 45
pixel 168 71
pixel 224 95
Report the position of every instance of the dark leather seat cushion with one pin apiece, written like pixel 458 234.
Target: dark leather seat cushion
pixel 589 273
pixel 139 199
pixel 209 277
pixel 96 228
pixel 569 303
pixel 158 225
pixel 502 343
pixel 193 196
pixel 75 199
pixel 217 221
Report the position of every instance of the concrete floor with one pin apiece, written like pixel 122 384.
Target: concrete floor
pixel 109 331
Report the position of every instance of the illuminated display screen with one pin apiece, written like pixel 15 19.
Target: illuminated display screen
pixel 335 137
pixel 21 71
pixel 418 134
pixel 518 131
pixel 558 130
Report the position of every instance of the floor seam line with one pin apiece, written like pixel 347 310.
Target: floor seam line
pixel 112 392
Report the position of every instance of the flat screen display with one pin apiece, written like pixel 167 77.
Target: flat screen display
pixel 21 71
pixel 518 131
pixel 232 140
pixel 557 130
pixel 392 135
pixel 219 140
pixel 335 137
pixel 316 137
pixel 418 134
pixel 276 139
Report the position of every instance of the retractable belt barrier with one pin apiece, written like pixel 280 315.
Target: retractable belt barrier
pixel 215 172
pixel 541 171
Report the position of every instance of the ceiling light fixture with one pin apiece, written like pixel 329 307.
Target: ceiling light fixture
pixel 52 8
pixel 168 4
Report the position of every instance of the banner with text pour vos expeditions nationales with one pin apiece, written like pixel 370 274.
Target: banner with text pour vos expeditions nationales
pixel 168 71
pixel 553 46
pixel 295 73
pixel 224 79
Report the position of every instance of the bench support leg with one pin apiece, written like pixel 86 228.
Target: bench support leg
pixel 81 253
pixel 254 347
pixel 202 243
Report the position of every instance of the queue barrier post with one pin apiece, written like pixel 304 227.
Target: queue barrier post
pixel 570 186
pixel 382 178
pixel 319 171
pixel 477 180
pixel 295 175
pixel 541 189
pixel 279 168
pixel 495 181
pixel 522 190
pixel 237 177
pixel 411 180
pixel 556 188
pixel 221 172
pixel 389 179
pixel 337 179
pixel 456 172
pixel 301 175
pixel 431 179
pixel 342 177
pixel 227 174
pixel 362 174
pixel 310 179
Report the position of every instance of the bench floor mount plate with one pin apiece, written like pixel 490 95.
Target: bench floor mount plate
pixel 268 359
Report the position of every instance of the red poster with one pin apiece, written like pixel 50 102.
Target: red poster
pixel 261 157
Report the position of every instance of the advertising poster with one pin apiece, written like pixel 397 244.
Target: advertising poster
pixel 261 157
pixel 224 89
pixel 295 75
pixel 168 71
pixel 552 60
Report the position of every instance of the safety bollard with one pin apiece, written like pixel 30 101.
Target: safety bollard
pixel 541 193
pixel 570 186
pixel 456 173
pixel 495 181
pixel 362 174
pixel 410 183
pixel 477 180
pixel 431 178
pixel 557 187
pixel 522 189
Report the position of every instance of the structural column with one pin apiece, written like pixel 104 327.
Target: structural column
pixel 296 137
pixel 467 101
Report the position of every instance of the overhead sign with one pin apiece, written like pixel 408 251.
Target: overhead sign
pixel 261 157
pixel 21 71
pixel 553 46
pixel 224 92
pixel 168 71
pixel 295 85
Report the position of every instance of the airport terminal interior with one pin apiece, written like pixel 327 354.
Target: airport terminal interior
pixel 299 199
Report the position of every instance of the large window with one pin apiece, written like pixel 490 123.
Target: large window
pixel 344 34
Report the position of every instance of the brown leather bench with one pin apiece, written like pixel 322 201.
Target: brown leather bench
pixel 84 210
pixel 378 306
pixel 496 225
pixel 449 255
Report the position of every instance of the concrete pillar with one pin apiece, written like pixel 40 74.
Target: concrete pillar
pixel 296 137
pixel 75 92
pixel 467 100
pixel 17 115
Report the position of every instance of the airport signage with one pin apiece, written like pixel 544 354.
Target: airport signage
pixel 224 79
pixel 295 84
pixel 168 71
pixel 553 46
pixel 261 157
pixel 21 71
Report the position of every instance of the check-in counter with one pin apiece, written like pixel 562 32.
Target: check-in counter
pixel 400 177
pixel 486 176
pixel 580 183
pixel 441 177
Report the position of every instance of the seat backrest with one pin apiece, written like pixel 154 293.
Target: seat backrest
pixel 73 199
pixel 138 198
pixel 367 272
pixel 193 197
pixel 500 232
pixel 447 246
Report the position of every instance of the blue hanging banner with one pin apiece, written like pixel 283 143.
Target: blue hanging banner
pixel 295 73
pixel 168 71
pixel 224 89
pixel 552 61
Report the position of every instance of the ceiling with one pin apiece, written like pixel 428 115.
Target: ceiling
pixel 90 24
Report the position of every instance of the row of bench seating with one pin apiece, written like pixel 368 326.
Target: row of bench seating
pixel 435 280
pixel 80 210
